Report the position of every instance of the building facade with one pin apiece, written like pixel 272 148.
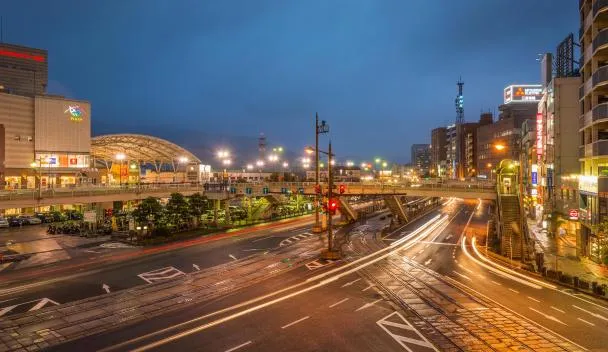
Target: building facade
pixel 421 158
pixel 438 152
pixel 593 123
pixel 23 70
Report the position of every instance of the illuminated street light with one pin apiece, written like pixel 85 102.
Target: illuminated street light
pixel 33 164
pixel 183 159
pixel 499 147
pixel 333 162
pixel 489 165
pixel 350 163
pixel 384 164
pixel 226 161
pixel 378 160
pixel 249 166
pixel 309 150
pixel 223 154
pixel 120 156
pixel 273 158
pixel 285 164
pixel 306 166
pixel 260 163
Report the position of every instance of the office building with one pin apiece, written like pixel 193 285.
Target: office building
pixel 23 70
pixel 438 152
pixel 421 158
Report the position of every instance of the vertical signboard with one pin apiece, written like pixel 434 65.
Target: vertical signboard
pixel 539 135
pixel 534 175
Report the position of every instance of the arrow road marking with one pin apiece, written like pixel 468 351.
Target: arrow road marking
pixel 106 288
pixel 196 267
pixel 350 283
pixel 550 317
pixel 367 305
pixel 591 313
pixel 233 257
pixel 428 262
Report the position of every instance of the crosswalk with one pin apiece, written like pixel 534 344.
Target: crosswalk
pixel 319 263
pixel 294 239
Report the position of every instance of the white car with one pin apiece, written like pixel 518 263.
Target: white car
pixel 31 220
pixel 3 222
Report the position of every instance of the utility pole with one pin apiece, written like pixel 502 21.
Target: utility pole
pixel 319 128
pixel 331 253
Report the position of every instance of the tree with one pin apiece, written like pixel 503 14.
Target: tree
pixel 198 205
pixel 149 209
pixel 601 233
pixel 178 210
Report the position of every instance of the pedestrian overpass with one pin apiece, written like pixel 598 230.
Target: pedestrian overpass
pixel 31 198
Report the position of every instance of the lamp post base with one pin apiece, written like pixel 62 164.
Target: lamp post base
pixel 330 255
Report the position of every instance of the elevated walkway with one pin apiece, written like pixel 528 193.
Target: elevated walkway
pixel 347 210
pixel 396 207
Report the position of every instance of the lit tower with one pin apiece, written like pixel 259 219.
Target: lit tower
pixel 262 146
pixel 460 150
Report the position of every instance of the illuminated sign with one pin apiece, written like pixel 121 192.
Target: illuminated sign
pixel 573 214
pixel 76 112
pixel 18 55
pixel 534 174
pixel 588 184
pixel 539 135
pixel 523 93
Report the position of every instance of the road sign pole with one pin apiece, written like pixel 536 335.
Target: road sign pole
pixel 317 228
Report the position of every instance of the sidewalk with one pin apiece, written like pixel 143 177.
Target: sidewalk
pixel 567 262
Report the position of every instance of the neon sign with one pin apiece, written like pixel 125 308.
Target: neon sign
pixel 18 55
pixel 539 135
pixel 76 112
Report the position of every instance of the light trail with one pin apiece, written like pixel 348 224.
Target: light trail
pixel 421 232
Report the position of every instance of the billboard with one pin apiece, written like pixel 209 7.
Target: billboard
pixel 539 135
pixel 534 175
pixel 62 125
pixel 523 93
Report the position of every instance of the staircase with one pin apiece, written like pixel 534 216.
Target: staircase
pixel 347 210
pixel 394 205
pixel 510 222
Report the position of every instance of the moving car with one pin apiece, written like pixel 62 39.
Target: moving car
pixel 3 222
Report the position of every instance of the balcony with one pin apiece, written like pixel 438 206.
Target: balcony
pixel 581 151
pixel 587 54
pixel 600 77
pixel 600 148
pixel 585 88
pixel 586 119
pixel 599 42
pixel 599 112
pixel 587 23
pixel 598 7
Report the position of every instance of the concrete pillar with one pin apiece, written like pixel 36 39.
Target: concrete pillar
pixel 216 205
pixel 227 211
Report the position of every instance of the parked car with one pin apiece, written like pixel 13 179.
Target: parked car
pixel 15 221
pixel 73 215
pixel 3 222
pixel 30 220
pixel 44 217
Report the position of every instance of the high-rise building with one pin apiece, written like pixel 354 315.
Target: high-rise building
pixel 438 152
pixel 451 151
pixel 593 125
pixel 501 139
pixel 23 70
pixel 421 158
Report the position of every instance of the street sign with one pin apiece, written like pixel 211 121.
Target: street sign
pixel 90 216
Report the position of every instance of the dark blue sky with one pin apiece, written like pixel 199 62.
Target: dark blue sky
pixel 205 73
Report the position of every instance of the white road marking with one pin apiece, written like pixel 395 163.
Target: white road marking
pixel 496 283
pixel 461 275
pixel 233 257
pixel 161 274
pixel 401 332
pixel 448 237
pixel 350 283
pixel 294 322
pixel 367 288
pixel 10 299
pixel 367 305
pixel 559 310
pixel 106 288
pixel 239 346
pixel 465 269
pixel 420 251
pixel 39 304
pixel 550 317
pixel 428 262
pixel 586 322
pixel 342 301
pixel 512 290
pixel 261 239
pixel 414 257
pixel 196 267
pixel 92 251
pixel 591 313
pixel 254 249
pixel 533 299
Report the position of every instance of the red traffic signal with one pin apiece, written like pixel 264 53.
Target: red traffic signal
pixel 333 206
pixel 342 189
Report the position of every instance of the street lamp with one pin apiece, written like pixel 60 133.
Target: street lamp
pixel 350 163
pixel 285 164
pixel 499 147
pixel 249 166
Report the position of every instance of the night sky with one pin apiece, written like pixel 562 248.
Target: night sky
pixel 206 74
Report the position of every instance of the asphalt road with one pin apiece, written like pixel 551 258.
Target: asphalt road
pixel 345 315
pixel 74 285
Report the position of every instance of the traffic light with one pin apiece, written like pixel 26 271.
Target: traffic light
pixel 342 189
pixel 333 206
